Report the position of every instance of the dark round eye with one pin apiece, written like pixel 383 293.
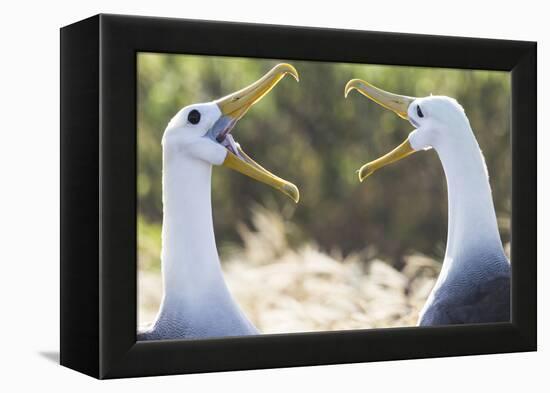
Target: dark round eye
pixel 419 111
pixel 194 116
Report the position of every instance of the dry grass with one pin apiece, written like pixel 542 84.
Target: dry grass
pixel 284 290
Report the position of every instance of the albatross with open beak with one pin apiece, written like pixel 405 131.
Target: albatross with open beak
pixel 196 302
pixel 474 283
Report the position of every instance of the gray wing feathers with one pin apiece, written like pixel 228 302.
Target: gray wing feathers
pixel 487 301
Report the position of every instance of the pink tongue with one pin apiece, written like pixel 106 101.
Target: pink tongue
pixel 230 143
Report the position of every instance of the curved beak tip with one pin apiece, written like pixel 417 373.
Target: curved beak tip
pixel 351 85
pixel 285 68
pixel 365 171
pixel 292 191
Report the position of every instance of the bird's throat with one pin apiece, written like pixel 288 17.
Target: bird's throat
pixel 472 223
pixel 190 262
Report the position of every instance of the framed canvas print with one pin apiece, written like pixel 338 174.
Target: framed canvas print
pixel 239 196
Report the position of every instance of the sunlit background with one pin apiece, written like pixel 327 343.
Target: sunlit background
pixel 350 254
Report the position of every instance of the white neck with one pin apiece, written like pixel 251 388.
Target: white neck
pixel 472 220
pixel 190 263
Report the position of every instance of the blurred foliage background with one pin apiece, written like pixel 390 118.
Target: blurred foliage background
pixel 309 134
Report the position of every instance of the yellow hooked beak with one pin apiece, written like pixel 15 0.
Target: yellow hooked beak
pixel 234 107
pixel 247 166
pixel 394 102
pixel 403 150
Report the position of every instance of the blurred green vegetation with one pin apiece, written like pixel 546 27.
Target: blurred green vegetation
pixel 309 134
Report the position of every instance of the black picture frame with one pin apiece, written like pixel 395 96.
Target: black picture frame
pixel 98 196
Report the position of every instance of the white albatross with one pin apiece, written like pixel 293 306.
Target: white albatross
pixel 474 283
pixel 196 302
